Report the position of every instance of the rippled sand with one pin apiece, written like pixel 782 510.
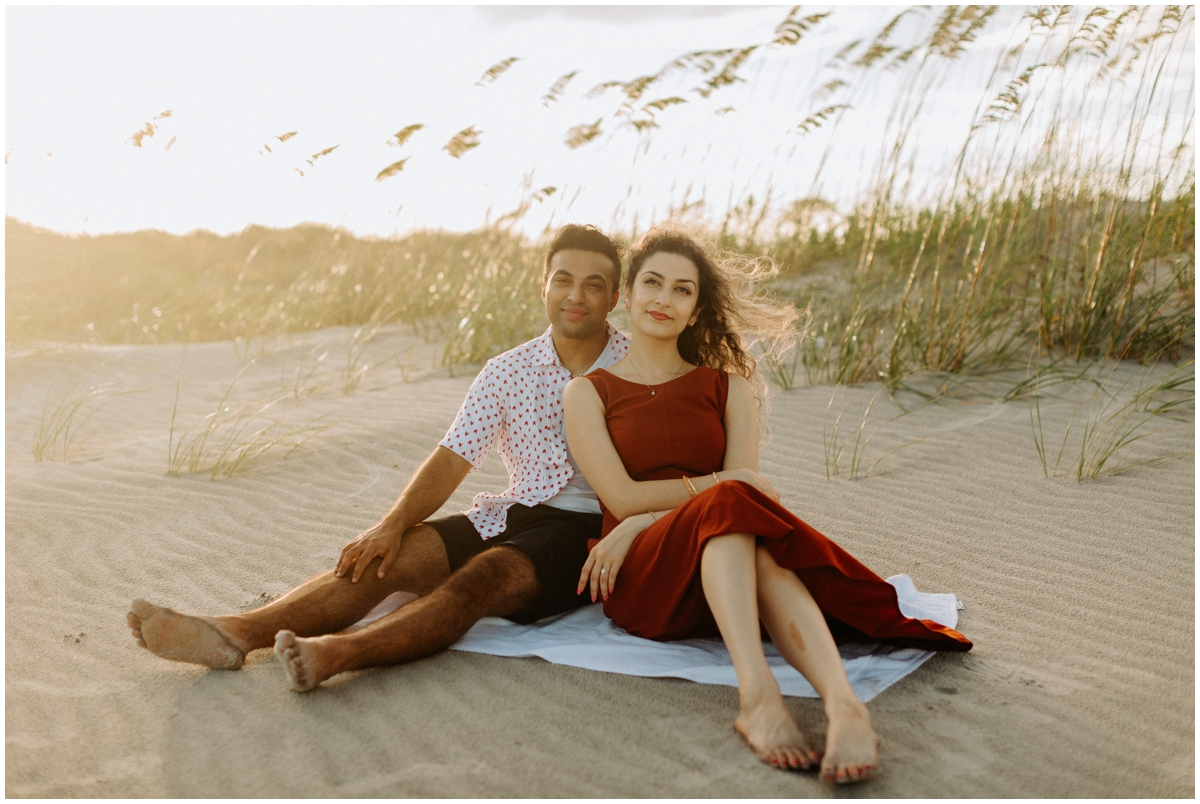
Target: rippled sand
pixel 1079 597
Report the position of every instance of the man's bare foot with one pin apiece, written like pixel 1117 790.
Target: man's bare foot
pixel 851 746
pixel 301 660
pixel 774 736
pixel 183 638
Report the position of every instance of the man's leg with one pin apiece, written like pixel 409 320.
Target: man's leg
pixel 321 605
pixel 500 582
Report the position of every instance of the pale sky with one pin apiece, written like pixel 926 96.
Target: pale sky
pixel 80 81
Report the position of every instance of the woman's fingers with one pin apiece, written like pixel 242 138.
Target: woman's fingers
pixel 595 581
pixel 612 578
pixel 586 574
pixel 599 576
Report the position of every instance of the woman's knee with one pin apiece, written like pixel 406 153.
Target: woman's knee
pixel 765 566
pixel 730 541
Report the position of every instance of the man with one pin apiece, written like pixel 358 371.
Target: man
pixel 518 554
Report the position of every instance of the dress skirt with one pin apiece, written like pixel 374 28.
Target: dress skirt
pixel 658 593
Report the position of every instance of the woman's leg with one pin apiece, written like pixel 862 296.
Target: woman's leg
pixel 727 572
pixel 802 636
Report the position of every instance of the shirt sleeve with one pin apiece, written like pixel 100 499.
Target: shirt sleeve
pixel 479 420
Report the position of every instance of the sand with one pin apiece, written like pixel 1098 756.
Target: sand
pixel 1079 597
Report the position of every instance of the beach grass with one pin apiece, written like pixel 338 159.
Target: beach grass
pixel 63 415
pixel 1111 417
pixel 1045 235
pixel 238 434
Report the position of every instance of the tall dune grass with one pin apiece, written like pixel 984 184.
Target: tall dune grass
pixel 1045 232
pixel 151 287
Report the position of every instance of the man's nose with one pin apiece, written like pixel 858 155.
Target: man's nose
pixel 576 294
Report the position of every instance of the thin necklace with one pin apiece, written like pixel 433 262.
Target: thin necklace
pixel 654 389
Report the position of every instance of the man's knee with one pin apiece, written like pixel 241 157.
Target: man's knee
pixel 421 563
pixel 502 580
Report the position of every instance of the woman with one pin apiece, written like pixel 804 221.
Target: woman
pixel 696 542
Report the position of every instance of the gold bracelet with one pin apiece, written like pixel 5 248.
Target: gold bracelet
pixel 715 478
pixel 691 489
pixel 652 516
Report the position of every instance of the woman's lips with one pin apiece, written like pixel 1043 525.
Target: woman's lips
pixel 659 316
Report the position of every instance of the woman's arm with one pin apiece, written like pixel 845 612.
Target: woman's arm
pixel 592 447
pixel 741 425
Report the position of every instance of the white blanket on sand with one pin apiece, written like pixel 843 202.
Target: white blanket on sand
pixel 586 638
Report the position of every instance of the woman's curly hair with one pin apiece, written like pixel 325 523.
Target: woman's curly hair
pixel 733 318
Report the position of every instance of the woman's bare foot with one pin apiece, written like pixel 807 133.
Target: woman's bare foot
pixel 851 745
pixel 183 638
pixel 774 736
pixel 300 658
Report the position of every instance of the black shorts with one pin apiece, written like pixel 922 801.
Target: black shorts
pixel 554 539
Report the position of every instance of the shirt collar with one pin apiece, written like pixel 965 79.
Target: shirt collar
pixel 544 353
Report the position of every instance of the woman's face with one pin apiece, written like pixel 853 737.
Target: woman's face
pixel 662 298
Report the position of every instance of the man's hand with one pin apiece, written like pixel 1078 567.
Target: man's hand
pixel 380 540
pixel 426 492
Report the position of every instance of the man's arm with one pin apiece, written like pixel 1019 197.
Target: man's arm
pixel 427 491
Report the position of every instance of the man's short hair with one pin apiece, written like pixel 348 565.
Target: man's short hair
pixel 585 238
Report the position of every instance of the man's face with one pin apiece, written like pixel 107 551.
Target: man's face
pixel 579 292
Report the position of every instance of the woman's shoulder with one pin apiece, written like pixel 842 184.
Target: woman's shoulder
pixel 717 377
pixel 736 380
pixel 596 380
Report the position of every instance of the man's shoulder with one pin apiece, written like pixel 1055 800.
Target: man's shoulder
pixel 523 356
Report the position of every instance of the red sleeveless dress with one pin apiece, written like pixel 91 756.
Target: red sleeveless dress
pixel 680 430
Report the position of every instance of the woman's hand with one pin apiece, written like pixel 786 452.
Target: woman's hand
pixel 753 478
pixel 604 562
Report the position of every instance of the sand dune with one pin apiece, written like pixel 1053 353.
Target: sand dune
pixel 1079 597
